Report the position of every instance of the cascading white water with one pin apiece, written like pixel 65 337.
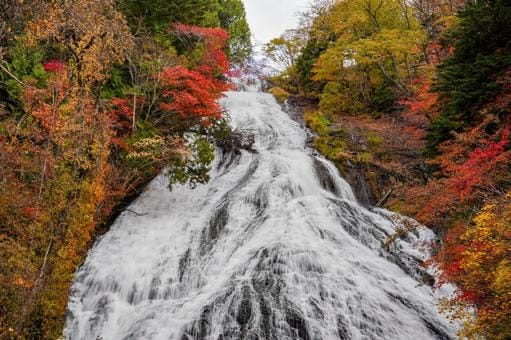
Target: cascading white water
pixel 275 246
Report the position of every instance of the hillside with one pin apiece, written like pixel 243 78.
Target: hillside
pixel 96 98
pixel 411 100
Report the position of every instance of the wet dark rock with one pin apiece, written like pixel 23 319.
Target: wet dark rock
pixel 436 331
pixel 296 321
pixel 228 160
pixel 318 313
pixel 261 199
pixel 184 261
pixel 131 294
pixel 245 308
pixel 428 279
pixel 215 226
pixel 357 177
pixel 266 324
pixel 201 328
pixel 343 328
pixel 325 177
pixel 218 221
pixel 101 312
pixel 153 291
pixel 238 140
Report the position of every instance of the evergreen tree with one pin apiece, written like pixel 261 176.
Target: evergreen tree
pixel 305 65
pixel 467 79
pixel 232 17
pixel 158 15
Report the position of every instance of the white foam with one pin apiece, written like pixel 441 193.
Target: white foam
pixel 262 251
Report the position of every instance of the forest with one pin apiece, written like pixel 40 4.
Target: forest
pixel 96 98
pixel 410 99
pixel 416 97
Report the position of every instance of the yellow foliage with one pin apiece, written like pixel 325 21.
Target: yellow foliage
pixel 279 93
pixel 95 32
pixel 486 262
pixel 49 213
pixel 376 41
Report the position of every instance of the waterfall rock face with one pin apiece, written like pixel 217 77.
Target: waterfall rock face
pixel 276 246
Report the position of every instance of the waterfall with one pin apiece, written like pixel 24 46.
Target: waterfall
pixel 275 246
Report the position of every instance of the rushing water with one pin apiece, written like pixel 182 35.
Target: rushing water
pixel 274 247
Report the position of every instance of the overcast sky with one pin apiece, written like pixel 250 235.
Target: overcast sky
pixel 269 18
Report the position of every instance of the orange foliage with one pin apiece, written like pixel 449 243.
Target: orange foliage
pixel 463 166
pixel 190 94
pixel 56 166
pixel 424 101
pixel 214 61
pixel 122 118
pixel 193 93
pixel 472 174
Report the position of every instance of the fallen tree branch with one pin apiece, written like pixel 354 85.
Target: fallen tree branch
pixel 9 73
pixel 45 260
pixel 136 213
pixel 384 198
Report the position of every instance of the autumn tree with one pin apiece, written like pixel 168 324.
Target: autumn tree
pixel 373 55
pixel 284 50
pixel 163 100
pixel 94 32
pixel 477 259
pixel 92 107
pixel 190 98
pixel 283 53
pixel 67 165
pixel 65 136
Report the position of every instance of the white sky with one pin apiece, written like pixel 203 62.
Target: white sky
pixel 269 18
